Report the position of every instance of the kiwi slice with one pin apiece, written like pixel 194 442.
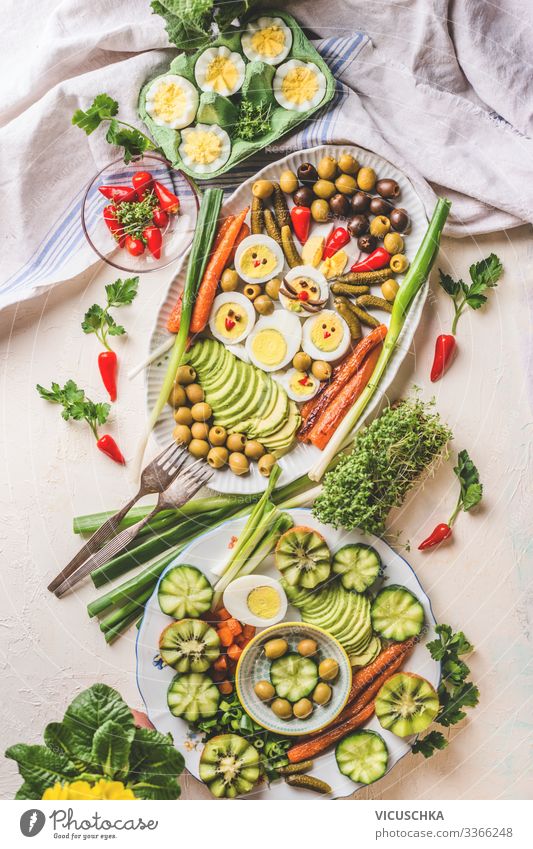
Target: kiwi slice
pixel 193 697
pixel 189 645
pixel 303 557
pixel 229 766
pixel 406 704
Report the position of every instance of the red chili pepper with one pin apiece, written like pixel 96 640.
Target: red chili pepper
pixel 142 180
pixel 107 363
pixel 159 218
pixel 301 222
pixel 373 262
pixel 134 246
pixel 445 350
pixel 440 533
pixel 107 445
pixel 118 193
pixel 335 241
pixel 154 240
pixel 229 324
pixel 168 201
pixel 115 227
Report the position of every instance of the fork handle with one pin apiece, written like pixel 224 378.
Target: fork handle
pixel 102 535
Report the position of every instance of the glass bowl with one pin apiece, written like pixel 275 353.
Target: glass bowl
pixel 178 233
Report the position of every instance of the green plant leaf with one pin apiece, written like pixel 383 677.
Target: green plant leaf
pixel 132 140
pixel 485 274
pixel 122 292
pixel 93 319
pixel 95 706
pixel 26 791
pixel 451 287
pixel 155 765
pixel 101 109
pixel 41 768
pixel 111 749
pixel 62 739
pixel 429 744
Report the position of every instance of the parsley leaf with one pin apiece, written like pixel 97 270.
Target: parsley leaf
pixel 483 274
pixel 471 488
pixel 429 744
pixel 451 287
pixel 132 140
pixel 103 108
pixel 75 404
pixel 122 292
pixel 98 320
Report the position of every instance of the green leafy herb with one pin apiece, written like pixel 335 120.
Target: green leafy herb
pixel 190 23
pixel 98 320
pixel 75 404
pixel 387 459
pixel 484 275
pixel 98 739
pixel 135 216
pixel 471 488
pixel 253 120
pixel 455 691
pixel 120 133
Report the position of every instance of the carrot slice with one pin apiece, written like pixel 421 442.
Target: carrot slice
pixel 222 614
pixel 226 687
pixel 234 652
pixel 221 663
pixel 244 232
pixel 225 636
pixel 234 626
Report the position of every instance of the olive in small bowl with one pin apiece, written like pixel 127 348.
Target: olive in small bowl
pixel 361 202
pixel 307 174
pixel 399 220
pixel 388 188
pixel 380 206
pixel 340 205
pixel 367 243
pixel 358 225
pixel 304 196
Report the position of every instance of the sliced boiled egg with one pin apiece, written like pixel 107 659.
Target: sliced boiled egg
pixel 172 101
pixel 232 318
pixel 268 40
pixel 299 385
pixel 307 290
pixel 218 69
pixel 299 85
pixel 326 336
pixel 205 148
pixel 256 600
pixel 274 340
pixel 258 258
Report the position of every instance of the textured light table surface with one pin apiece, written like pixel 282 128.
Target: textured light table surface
pixel 52 471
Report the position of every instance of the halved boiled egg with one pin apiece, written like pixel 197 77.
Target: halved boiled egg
pixel 218 69
pixel 306 288
pixel 232 318
pixel 256 600
pixel 299 385
pixel 326 336
pixel 258 258
pixel 299 85
pixel 274 340
pixel 268 40
pixel 172 101
pixel 205 148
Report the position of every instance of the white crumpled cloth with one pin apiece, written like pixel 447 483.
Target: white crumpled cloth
pixel 439 87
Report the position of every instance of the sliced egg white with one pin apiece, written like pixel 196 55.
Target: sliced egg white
pixel 237 595
pixel 218 69
pixel 240 352
pixel 296 304
pixel 205 148
pixel 172 101
pixel 326 336
pixel 258 258
pixel 225 319
pixel 274 340
pixel 268 40
pixel 299 85
pixel 299 386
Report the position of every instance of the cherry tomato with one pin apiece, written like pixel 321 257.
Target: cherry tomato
pixel 160 218
pixel 154 240
pixel 134 246
pixel 142 180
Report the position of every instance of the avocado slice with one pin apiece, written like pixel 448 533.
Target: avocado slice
pixel 263 401
pixel 257 85
pixel 275 420
pixel 216 109
pixel 280 441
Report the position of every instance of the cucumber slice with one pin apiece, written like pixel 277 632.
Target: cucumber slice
pixel 362 756
pixel 184 591
pixel 193 697
pixel 406 704
pixel 189 645
pixel 397 614
pixel 358 565
pixel 229 766
pixel 293 677
pixel 303 557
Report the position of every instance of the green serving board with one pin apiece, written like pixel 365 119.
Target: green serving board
pixel 257 86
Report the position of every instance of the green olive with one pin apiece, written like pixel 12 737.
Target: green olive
pixel 276 648
pixel 200 430
pixel 199 448
pixel 236 441
pixel 328 669
pixel 183 416
pixel 399 263
pixel 302 361
pixel 229 280
pixel 346 184
pixel 218 435
pixel 264 305
pixel 324 189
pixel 182 434
pixel 327 168
pixel 266 464
pixel 302 709
pixel 238 463
pixel 262 189
pixel 185 375
pixel 194 393
pixel 288 182
pixel 201 412
pixel 252 290
pixel 348 164
pixel 321 370
pixel 366 179
pixel 253 450
pixel 389 289
pixel 177 397
pixel 379 226
pixel 272 288
pixel 393 243
pixel 264 691
pixel 322 694
pixel 218 457
pixel 307 647
pixel 320 210
pixel 282 708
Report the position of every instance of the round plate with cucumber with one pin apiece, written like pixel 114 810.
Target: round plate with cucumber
pixel 370 601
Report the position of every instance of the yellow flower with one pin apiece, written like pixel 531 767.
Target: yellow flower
pixel 79 791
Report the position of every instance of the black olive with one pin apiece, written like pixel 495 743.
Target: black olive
pixel 367 243
pixel 304 196
pixel 399 219
pixel 358 225
pixel 380 206
pixel 388 188
pixel 307 174
pixel 340 205
pixel 360 202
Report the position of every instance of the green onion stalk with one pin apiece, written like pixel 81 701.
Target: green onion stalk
pixel 414 280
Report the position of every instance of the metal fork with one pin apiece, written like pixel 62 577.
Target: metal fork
pixel 183 487
pixel 156 477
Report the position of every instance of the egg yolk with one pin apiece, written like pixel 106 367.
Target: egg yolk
pixel 269 347
pixel 264 602
pixel 301 383
pixel 258 261
pixel 299 85
pixel 231 321
pixel 326 333
pixel 269 41
pixel 221 74
pixel 170 101
pixel 202 147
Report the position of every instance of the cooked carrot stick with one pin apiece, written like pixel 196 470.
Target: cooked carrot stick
pixel 222 230
pixel 311 748
pixel 389 660
pixel 244 232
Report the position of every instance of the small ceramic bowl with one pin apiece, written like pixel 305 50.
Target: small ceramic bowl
pixel 254 666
